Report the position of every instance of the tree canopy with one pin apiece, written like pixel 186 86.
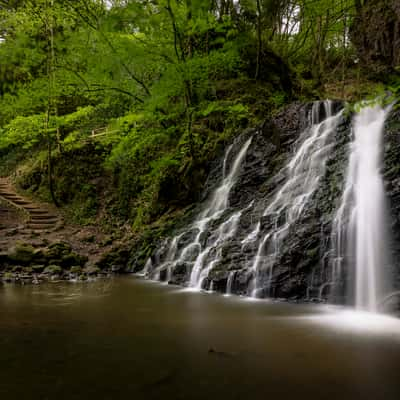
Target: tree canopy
pixel 170 78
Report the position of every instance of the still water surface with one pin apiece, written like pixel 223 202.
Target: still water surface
pixel 130 339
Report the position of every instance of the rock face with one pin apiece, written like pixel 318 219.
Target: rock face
pixel 375 33
pixel 391 173
pixel 302 266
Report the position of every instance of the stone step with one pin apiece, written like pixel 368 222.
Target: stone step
pixel 35 210
pixel 44 217
pixel 41 223
pixel 51 221
pixel 21 202
pixel 49 225
pixel 38 213
pixel 40 226
pixel 9 196
pixel 7 192
pixel 39 218
pixel 15 199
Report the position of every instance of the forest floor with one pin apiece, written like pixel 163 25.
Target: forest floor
pixel 88 243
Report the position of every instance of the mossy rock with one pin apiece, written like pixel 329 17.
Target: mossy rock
pixel 71 259
pixel 53 270
pixel 22 253
pixel 39 257
pixel 8 277
pixel 75 269
pixel 92 270
pixel 116 256
pixel 38 268
pixel 61 253
pixel 58 250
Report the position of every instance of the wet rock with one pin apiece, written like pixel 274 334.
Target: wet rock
pixel 53 270
pixel 117 259
pixel 8 277
pixel 91 270
pixel 76 269
pixel 72 258
pixel 37 268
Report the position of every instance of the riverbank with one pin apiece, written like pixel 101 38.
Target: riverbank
pixel 69 252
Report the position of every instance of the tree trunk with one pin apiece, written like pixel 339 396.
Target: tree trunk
pixel 259 40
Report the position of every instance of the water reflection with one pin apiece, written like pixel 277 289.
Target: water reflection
pixel 356 321
pixel 122 338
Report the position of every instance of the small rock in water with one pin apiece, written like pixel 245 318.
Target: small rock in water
pixel 212 350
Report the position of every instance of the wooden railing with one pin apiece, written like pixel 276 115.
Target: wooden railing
pixel 102 131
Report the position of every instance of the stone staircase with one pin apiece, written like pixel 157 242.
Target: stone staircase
pixel 39 218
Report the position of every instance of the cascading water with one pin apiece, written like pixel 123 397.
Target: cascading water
pixel 358 226
pixel 229 282
pixel 225 231
pixel 218 204
pixel 303 173
pixel 272 246
pixel 195 252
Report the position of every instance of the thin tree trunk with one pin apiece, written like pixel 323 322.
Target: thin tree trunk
pixel 49 157
pixel 50 60
pixel 52 72
pixel 344 50
pixel 259 40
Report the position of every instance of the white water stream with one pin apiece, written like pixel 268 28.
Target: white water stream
pixel 303 173
pixel 196 251
pixel 358 227
pixel 357 239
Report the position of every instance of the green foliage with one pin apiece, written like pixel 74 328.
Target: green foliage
pixel 139 161
pixel 84 207
pixel 393 94
pixel 82 118
pixel 225 114
pixel 166 82
pixel 24 132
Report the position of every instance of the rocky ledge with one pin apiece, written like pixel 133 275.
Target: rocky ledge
pixel 24 263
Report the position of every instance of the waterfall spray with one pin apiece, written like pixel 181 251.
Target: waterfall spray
pixel 359 222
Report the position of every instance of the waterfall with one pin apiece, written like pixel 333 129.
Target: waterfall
pixel 302 175
pixel 225 231
pixel 229 283
pixel 256 248
pixel 204 256
pixel 358 226
pixel 218 204
pixel 173 248
pixel 147 267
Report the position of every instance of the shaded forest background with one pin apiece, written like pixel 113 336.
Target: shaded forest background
pixel 114 110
